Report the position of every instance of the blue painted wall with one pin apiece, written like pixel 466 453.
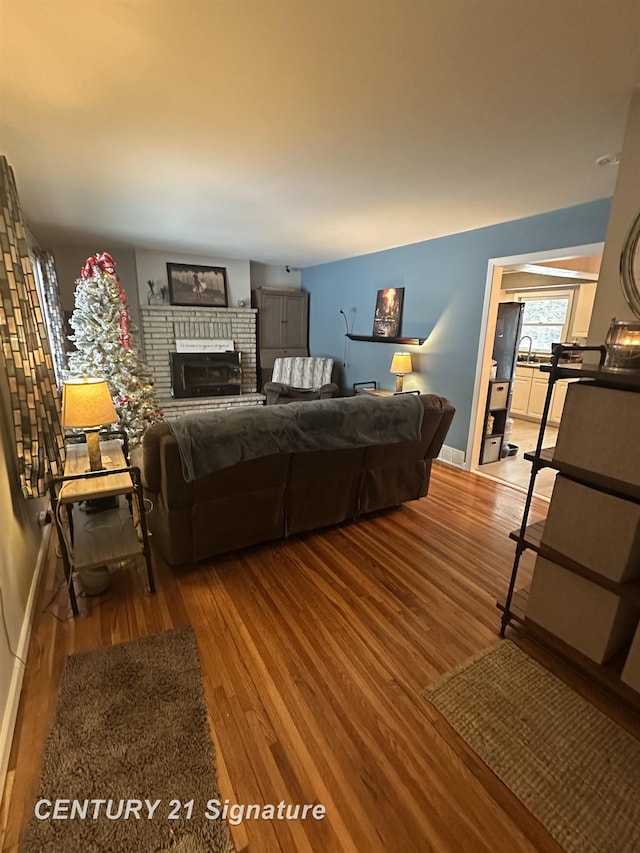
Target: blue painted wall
pixel 444 281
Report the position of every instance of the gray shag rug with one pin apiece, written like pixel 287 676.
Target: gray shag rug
pixel 130 725
pixel 575 769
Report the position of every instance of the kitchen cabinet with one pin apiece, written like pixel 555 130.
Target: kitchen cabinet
pixel 583 310
pixel 537 396
pixel 283 317
pixel 521 391
pixel 557 401
pixel 529 392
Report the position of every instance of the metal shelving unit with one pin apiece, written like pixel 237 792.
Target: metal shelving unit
pixel 530 536
pixel 112 535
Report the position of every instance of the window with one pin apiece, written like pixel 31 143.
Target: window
pixel 55 333
pixel 545 317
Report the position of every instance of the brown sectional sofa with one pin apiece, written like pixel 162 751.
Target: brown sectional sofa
pixel 279 495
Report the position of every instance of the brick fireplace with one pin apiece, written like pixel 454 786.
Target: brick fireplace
pixel 161 326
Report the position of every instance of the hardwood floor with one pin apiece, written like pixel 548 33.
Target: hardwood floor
pixel 314 655
pixel 515 469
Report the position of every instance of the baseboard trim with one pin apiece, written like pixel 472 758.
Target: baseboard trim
pixel 15 688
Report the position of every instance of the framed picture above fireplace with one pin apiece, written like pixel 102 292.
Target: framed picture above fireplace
pixel 190 284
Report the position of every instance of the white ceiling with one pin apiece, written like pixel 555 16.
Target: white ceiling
pixel 305 131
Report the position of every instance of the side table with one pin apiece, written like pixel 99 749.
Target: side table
pixel 371 387
pixel 120 533
pixel 376 392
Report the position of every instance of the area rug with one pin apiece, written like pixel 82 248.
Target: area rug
pixel 575 769
pixel 130 727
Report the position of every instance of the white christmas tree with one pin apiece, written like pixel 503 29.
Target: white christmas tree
pixel 104 348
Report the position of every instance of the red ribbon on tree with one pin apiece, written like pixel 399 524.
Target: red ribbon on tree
pixel 105 262
pixel 125 336
pixel 87 269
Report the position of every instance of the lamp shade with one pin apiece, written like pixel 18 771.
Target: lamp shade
pixel 87 404
pixel 401 363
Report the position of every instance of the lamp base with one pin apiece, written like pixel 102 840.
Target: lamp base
pixel 93 450
pixel 399 382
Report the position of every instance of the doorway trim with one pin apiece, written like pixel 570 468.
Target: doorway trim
pixel 495 267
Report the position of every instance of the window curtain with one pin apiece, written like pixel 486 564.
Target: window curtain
pixel 27 357
pixel 53 312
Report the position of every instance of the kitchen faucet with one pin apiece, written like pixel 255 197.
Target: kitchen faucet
pixel 530 339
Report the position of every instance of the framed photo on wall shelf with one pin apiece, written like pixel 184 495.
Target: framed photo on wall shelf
pixel 388 314
pixel 190 284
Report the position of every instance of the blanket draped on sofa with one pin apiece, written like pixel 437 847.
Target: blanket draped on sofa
pixel 248 433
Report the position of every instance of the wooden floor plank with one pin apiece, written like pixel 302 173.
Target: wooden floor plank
pixel 314 654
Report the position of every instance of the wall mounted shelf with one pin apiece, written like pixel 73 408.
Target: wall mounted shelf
pixel 416 342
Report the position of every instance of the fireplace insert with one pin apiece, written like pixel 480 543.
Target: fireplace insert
pixel 205 374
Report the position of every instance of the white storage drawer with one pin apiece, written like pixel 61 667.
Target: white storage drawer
pixel 499 395
pixel 588 617
pixel 491 450
pixel 599 432
pixel 597 530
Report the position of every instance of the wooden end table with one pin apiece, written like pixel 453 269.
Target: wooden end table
pixel 119 533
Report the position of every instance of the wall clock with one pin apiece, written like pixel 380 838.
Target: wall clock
pixel 630 266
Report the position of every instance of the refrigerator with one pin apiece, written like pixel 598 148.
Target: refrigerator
pixel 505 354
pixel 508 334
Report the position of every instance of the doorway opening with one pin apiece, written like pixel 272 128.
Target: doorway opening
pixel 531 302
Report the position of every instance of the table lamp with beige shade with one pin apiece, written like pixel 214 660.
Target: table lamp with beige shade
pixel 401 365
pixel 87 405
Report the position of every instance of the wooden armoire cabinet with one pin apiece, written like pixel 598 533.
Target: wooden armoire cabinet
pixel 283 326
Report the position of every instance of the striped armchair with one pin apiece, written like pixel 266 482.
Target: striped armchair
pixel 307 378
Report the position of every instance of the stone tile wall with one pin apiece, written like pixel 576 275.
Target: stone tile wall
pixel 160 326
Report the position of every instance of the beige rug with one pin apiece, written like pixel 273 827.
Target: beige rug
pixel 575 769
pixel 130 724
